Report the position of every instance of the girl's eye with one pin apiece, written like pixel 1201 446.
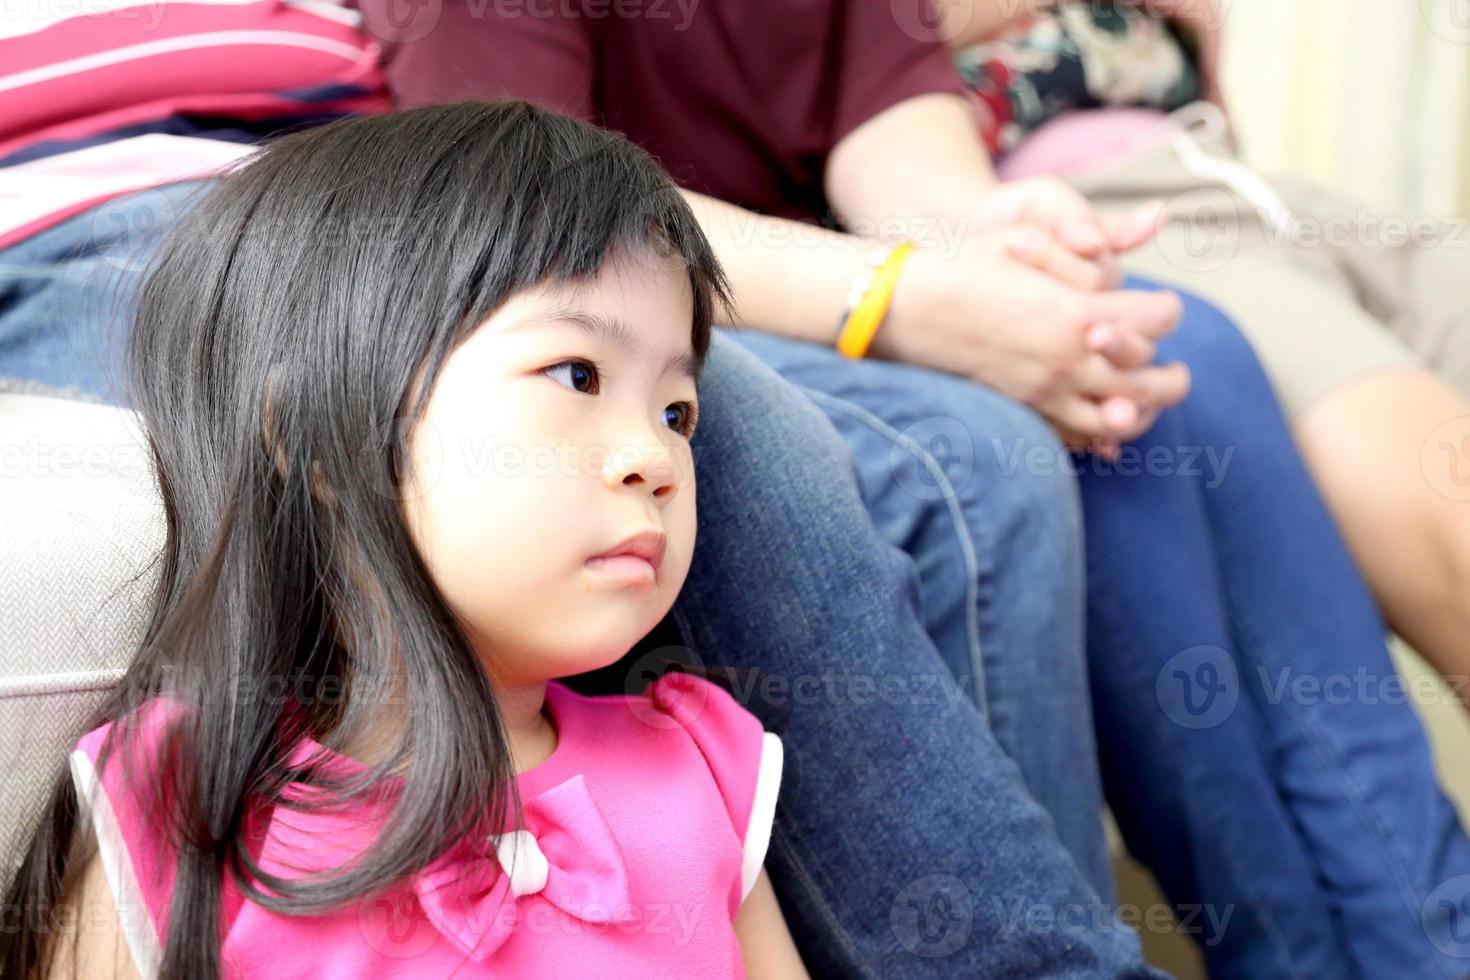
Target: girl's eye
pixel 584 376
pixel 686 417
pixel 579 372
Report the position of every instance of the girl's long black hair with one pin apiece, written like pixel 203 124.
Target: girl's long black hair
pixel 287 334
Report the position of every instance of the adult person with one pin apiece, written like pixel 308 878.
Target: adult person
pixel 1339 843
pixel 1364 330
pixel 113 124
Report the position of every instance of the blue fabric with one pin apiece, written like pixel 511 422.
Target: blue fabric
pixel 998 553
pixel 1295 835
pixel 67 294
pixel 1236 648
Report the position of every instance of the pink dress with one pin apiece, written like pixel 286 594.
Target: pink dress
pixel 641 835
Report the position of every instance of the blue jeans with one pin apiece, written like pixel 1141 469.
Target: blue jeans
pixel 909 841
pixel 1295 834
pixel 1270 674
pixel 66 294
pixel 999 562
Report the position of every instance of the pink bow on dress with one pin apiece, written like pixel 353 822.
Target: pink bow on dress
pixel 566 854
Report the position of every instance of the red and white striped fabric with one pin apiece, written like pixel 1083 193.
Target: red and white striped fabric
pixel 72 72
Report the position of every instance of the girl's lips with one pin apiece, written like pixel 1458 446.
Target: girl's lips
pixel 624 568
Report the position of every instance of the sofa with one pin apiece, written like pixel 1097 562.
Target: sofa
pixel 80 524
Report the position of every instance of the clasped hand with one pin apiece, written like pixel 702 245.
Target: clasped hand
pixel 1027 301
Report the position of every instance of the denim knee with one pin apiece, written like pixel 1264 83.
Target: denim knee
pixel 1014 482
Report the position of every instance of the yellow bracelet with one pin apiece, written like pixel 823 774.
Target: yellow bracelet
pixel 861 324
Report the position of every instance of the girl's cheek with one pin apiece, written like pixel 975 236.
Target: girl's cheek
pixel 684 469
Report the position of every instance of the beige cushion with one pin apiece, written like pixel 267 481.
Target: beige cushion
pixel 80 526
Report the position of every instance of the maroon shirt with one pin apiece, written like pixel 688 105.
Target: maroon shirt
pixel 738 99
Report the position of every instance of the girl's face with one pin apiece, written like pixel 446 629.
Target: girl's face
pixel 558 430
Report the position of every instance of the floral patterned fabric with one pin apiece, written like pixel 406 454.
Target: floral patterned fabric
pixel 1083 56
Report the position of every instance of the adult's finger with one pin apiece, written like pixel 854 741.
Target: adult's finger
pixel 1097 378
pixel 1045 253
pixel 1079 419
pixel 1128 230
pixel 1156 386
pixel 1087 239
pixel 1121 415
pixel 1141 422
pixel 1123 347
pixel 1154 314
pixel 1084 237
pixel 1162 386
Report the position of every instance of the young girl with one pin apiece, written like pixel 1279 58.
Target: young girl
pixel 419 390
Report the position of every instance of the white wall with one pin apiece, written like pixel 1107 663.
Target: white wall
pixel 1369 96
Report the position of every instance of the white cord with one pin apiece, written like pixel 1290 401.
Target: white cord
pixel 1207 119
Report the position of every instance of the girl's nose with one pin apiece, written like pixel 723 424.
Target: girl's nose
pixel 652 467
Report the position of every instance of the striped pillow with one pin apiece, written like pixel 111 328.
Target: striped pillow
pixel 71 70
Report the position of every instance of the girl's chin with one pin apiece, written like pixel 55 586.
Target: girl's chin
pixel 596 654
pixel 589 633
